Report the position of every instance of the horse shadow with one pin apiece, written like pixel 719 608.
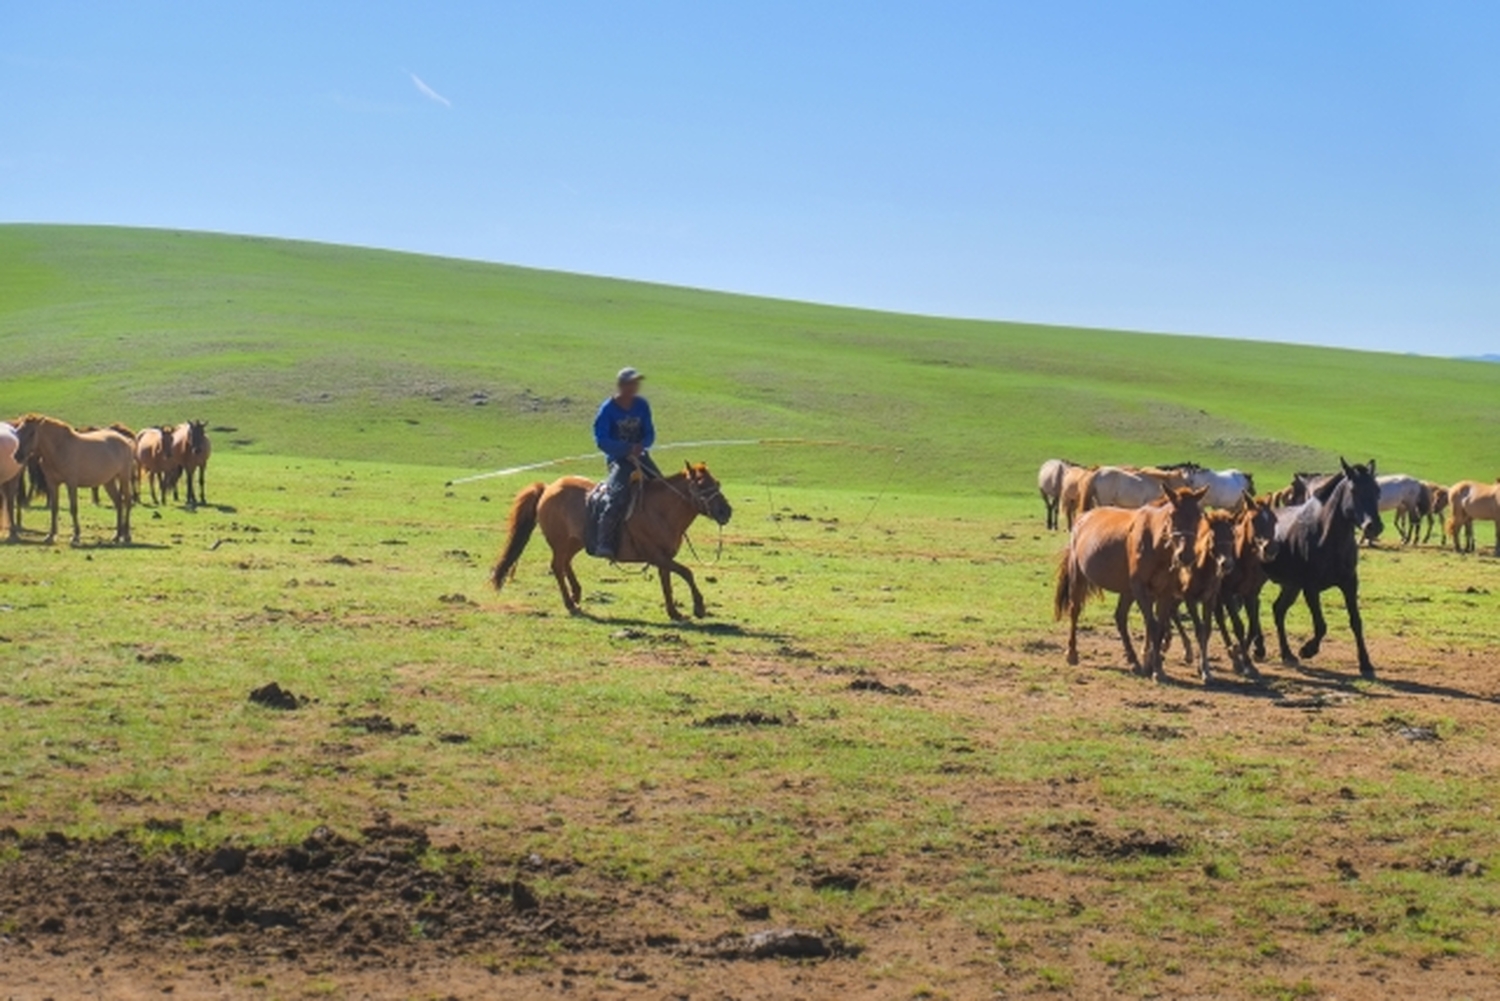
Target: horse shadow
pixel 705 627
pixel 195 508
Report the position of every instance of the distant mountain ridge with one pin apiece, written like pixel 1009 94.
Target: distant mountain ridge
pixel 1491 357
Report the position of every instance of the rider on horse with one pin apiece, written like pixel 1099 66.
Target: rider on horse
pixel 624 433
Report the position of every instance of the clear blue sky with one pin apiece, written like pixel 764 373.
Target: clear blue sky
pixel 1309 171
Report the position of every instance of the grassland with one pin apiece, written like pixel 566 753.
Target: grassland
pixel 1002 826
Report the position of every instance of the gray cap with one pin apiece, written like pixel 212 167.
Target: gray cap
pixel 628 374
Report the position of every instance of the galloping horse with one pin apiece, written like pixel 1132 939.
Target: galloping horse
pixel 190 451
pixel 664 511
pixel 1255 544
pixel 81 459
pixel 1115 549
pixel 1317 549
pixel 1049 481
pixel 1471 502
pixel 12 465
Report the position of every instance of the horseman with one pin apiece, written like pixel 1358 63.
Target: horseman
pixel 624 433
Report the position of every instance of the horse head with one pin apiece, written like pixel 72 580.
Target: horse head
pixel 1258 530
pixel 1186 511
pixel 707 495
pixel 1217 546
pixel 197 433
pixel 1361 500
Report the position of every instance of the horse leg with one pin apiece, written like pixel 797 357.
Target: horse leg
pixel 1122 623
pixel 1357 627
pixel 1187 644
pixel 700 609
pixel 1320 624
pixel 1203 627
pixel 1283 604
pixel 127 505
pixel 202 484
pixel 54 500
pixel 664 571
pixel 73 508
pixel 562 569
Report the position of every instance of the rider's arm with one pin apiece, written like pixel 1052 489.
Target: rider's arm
pixel 648 427
pixel 604 438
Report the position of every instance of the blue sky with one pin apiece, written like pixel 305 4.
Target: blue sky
pixel 1317 172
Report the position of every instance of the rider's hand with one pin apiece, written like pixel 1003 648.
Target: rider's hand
pixel 636 451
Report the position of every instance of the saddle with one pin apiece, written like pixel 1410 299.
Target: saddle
pixel 594 510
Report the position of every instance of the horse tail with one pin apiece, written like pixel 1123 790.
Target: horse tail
pixel 522 524
pixel 1062 595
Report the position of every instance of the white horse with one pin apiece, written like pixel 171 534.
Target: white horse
pixel 1227 488
pixel 1411 501
pixel 1049 480
pixel 11 465
pixel 1115 486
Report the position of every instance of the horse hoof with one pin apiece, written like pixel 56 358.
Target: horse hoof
pixel 1072 660
pixel 1287 660
pixel 1367 671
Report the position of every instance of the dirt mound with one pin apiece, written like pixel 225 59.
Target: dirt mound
pixel 327 896
pixel 378 723
pixel 754 717
pixel 881 688
pixel 273 696
pixel 1083 839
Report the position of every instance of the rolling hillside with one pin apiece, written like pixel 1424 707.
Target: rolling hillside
pixel 333 352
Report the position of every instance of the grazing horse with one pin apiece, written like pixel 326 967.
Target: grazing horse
pixel 12 466
pixel 664 511
pixel 1117 486
pixel 1227 488
pixel 1102 556
pixel 1409 499
pixel 1469 502
pixel 81 459
pixel 190 451
pixel 155 460
pixel 1317 550
pixel 1049 480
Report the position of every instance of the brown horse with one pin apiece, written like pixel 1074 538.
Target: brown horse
pixel 155 460
pixel 1201 584
pixel 81 459
pixel 1436 512
pixel 1106 550
pixel 664 511
pixel 1255 543
pixel 1070 492
pixel 190 451
pixel 1469 502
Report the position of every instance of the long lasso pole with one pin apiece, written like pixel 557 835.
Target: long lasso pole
pixel 707 443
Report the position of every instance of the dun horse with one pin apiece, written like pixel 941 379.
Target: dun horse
pixel 1049 482
pixel 75 459
pixel 664 511
pixel 190 451
pixel 155 460
pixel 1470 502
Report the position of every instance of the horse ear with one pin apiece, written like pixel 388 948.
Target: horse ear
pixel 1372 467
pixel 1345 466
pixel 1200 493
pixel 689 467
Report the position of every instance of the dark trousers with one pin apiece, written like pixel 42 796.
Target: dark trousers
pixel 617 498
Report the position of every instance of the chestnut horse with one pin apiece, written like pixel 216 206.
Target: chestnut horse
pixel 1255 543
pixel 1470 502
pixel 1131 553
pixel 81 459
pixel 664 511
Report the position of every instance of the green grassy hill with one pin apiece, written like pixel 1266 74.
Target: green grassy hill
pixel 332 352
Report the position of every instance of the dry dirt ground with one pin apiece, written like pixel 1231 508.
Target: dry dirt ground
pixel 395 911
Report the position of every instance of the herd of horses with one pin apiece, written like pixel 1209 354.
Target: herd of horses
pixel 1169 539
pixel 41 456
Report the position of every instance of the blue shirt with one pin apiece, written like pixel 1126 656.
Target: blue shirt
pixel 617 430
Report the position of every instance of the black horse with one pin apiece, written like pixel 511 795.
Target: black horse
pixel 1318 548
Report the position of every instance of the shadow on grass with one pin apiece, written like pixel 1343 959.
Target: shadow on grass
pixel 706 627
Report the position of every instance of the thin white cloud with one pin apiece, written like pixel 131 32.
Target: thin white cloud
pixel 427 91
